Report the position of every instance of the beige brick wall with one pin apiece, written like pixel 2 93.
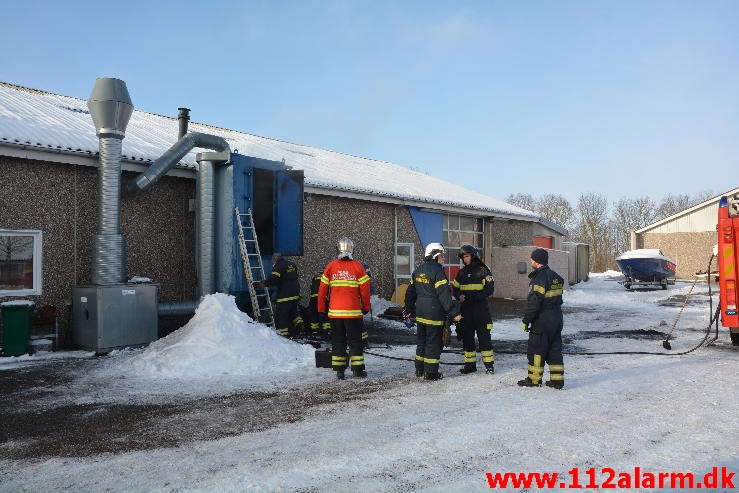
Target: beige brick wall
pixel 508 282
pixel 691 251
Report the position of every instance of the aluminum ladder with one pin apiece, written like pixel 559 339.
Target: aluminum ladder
pixel 251 258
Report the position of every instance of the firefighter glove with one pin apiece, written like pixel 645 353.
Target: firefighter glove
pixel 524 326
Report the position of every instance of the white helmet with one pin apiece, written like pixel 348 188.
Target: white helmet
pixel 345 247
pixel 433 250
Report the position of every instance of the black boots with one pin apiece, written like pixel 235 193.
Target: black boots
pixel 527 382
pixel 433 376
pixel 468 368
pixel 555 384
pixel 355 373
pixel 489 369
pixel 419 373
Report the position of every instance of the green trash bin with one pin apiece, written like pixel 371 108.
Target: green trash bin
pixel 16 317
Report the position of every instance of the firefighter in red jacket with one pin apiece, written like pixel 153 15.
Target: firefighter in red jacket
pixel 472 287
pixel 346 285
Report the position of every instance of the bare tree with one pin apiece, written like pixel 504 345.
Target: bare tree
pixel 522 200
pixel 557 209
pixel 630 215
pixel 595 229
pixel 672 204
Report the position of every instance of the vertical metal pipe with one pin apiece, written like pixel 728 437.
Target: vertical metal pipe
pixel 109 186
pixel 183 117
pixel 206 226
pixel 110 108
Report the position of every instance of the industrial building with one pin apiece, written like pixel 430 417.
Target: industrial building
pixel 688 237
pixel 49 195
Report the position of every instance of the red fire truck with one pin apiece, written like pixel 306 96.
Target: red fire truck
pixel 728 243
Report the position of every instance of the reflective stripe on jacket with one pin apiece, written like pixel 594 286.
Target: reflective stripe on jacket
pixel 428 295
pixel 284 275
pixel 475 282
pixel 545 293
pixel 346 284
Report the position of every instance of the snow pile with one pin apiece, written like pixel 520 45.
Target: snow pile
pixel 220 340
pixel 379 305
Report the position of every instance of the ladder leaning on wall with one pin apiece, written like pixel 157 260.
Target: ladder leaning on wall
pixel 254 269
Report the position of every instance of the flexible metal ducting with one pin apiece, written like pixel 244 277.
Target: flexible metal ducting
pixel 172 156
pixel 110 107
pixel 177 308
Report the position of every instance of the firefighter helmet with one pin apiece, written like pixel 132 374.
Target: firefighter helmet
pixel 345 247
pixel 433 250
pixel 468 250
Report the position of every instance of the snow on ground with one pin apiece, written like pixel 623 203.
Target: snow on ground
pixel 660 413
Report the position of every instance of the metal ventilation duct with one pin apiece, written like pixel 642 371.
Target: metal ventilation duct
pixel 111 108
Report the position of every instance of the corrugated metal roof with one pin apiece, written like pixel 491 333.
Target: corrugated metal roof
pixel 698 218
pixel 53 122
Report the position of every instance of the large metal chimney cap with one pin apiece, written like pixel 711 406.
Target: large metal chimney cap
pixel 110 107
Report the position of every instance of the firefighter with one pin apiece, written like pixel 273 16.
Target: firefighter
pixel 429 300
pixel 543 321
pixel 472 287
pixel 320 326
pixel 284 276
pixel 346 285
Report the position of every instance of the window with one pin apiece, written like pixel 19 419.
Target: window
pixel 20 262
pixel 462 230
pixel 404 260
pixel 404 265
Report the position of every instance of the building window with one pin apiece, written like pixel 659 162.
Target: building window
pixel 404 265
pixel 20 262
pixel 404 260
pixel 462 230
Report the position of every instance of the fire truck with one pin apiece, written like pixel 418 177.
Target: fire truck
pixel 728 238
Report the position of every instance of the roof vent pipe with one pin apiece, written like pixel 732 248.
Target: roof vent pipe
pixel 183 118
pixel 111 108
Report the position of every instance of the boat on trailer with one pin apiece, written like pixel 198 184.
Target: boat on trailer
pixel 646 268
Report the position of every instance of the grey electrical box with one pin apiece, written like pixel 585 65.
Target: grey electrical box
pixel 521 267
pixel 114 316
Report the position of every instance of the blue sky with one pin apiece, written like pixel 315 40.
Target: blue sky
pixel 623 98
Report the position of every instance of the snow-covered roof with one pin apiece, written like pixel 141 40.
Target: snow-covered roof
pixel 44 121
